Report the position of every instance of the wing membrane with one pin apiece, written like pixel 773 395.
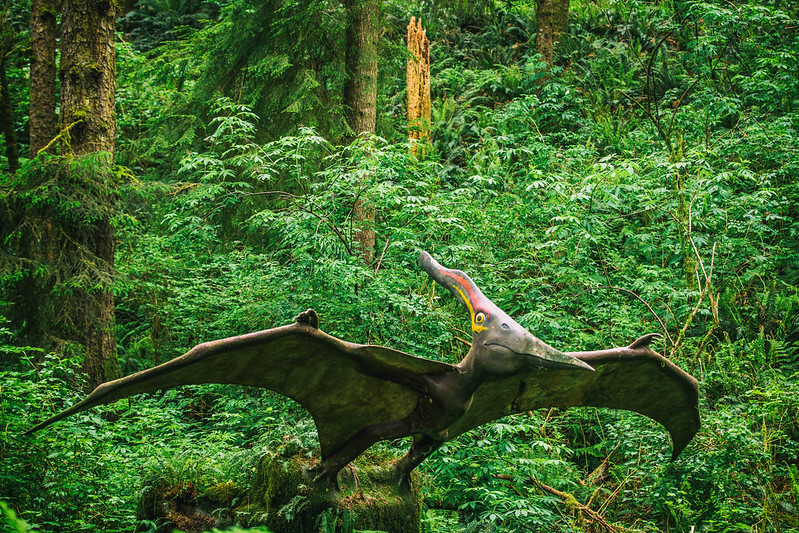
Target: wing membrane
pixel 333 379
pixel 632 378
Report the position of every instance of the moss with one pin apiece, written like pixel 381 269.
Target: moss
pixel 151 505
pixel 371 494
pixel 285 501
pixel 223 495
pixel 280 496
pixel 173 506
pixel 111 369
pixel 85 71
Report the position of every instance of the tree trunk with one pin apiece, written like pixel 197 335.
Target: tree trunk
pixel 7 120
pixel 560 19
pixel 42 74
pixel 360 98
pixel 418 84
pixel 360 91
pixel 87 74
pixel 552 20
pixel 87 110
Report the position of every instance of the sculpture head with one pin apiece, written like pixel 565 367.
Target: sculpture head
pixel 500 346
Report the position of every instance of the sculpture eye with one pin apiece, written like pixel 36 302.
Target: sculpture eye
pixel 479 318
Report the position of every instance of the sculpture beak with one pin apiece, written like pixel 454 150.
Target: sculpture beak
pixel 518 340
pixel 553 358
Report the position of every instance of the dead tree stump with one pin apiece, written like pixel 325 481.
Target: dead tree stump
pixel 418 84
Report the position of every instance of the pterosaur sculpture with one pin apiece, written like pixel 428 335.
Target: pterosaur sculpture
pixel 359 394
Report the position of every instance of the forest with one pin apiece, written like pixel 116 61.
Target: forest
pixel 179 171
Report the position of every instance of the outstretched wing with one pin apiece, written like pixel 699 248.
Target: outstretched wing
pixel 344 386
pixel 634 378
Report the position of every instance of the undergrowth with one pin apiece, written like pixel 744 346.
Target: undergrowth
pixel 644 183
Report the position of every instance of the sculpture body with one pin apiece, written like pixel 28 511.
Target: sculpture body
pixel 359 394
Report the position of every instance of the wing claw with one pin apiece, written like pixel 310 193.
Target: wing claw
pixel 308 317
pixel 644 341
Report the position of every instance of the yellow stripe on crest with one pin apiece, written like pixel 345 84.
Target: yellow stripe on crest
pixel 475 327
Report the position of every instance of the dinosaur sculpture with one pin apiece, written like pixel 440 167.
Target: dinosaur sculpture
pixel 360 394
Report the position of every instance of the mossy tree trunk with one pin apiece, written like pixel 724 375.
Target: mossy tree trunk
pixel 87 74
pixel 360 98
pixel 360 91
pixel 560 19
pixel 88 71
pixel 42 119
pixel 552 20
pixel 7 124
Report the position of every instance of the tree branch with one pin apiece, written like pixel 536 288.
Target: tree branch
pixel 662 325
pixel 63 133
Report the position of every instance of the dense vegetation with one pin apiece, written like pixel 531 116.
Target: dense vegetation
pixel 644 183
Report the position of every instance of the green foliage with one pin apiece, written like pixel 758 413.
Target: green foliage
pixel 151 22
pixel 475 475
pixel 284 60
pixel 609 223
pixel 11 521
pixel 56 221
pixel 645 183
pixel 86 474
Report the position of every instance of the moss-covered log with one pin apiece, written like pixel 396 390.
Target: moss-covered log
pixel 283 497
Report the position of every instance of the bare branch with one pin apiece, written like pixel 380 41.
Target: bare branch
pixel 662 325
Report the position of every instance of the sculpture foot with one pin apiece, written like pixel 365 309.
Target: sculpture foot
pixel 404 485
pixel 322 479
pixel 401 479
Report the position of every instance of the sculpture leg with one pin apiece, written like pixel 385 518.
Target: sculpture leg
pixel 422 447
pixel 359 443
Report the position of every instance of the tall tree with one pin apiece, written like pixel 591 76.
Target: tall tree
pixel 360 97
pixel 7 123
pixel 42 121
pixel 552 20
pixel 360 91
pixel 87 75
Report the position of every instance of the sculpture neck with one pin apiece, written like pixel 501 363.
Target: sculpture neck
pixel 470 374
